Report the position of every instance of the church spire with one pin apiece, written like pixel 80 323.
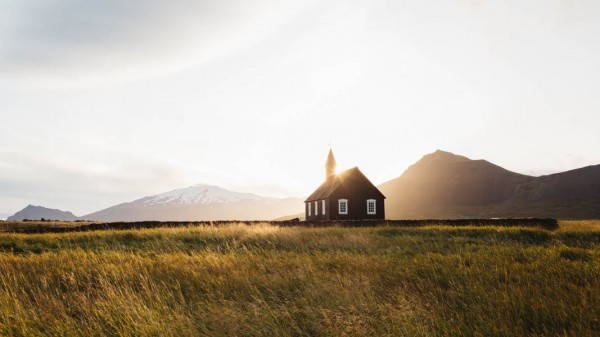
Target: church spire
pixel 330 165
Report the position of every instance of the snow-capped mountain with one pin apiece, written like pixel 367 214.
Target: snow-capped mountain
pixel 202 194
pixel 200 202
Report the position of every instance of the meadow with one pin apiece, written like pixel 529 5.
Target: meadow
pixel 263 280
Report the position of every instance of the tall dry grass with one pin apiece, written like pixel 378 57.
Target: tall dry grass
pixel 262 280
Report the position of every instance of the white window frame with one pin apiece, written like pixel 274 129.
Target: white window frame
pixel 316 208
pixel 374 202
pixel 309 211
pixel 340 203
pixel 323 207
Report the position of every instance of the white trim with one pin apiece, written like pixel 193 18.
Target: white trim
pixel 343 202
pixel 309 212
pixel 369 203
pixel 323 207
pixel 316 208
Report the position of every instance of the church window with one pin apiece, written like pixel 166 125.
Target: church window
pixel 343 206
pixel 371 209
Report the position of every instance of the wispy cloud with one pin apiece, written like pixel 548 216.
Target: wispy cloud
pixel 78 38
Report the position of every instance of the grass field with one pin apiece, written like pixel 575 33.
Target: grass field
pixel 260 280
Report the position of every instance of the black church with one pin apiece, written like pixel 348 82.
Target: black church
pixel 347 195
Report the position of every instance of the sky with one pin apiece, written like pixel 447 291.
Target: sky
pixel 104 102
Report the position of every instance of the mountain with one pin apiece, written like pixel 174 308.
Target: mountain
pixel 299 216
pixel 38 212
pixel 200 202
pixel 445 185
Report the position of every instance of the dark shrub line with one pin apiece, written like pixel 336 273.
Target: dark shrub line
pixel 547 223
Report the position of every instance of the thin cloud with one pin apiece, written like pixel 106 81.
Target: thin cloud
pixel 79 38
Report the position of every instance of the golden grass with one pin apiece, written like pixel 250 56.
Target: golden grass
pixel 579 225
pixel 261 280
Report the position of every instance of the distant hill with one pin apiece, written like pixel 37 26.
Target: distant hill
pixel 38 212
pixel 445 185
pixel 200 202
pixel 299 216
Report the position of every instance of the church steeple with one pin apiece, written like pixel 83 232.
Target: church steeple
pixel 330 165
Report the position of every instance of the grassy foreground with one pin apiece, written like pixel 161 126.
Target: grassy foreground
pixel 261 280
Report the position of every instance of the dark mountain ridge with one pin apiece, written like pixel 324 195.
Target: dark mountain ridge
pixel 445 185
pixel 38 212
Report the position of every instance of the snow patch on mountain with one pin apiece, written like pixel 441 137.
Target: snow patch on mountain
pixel 202 194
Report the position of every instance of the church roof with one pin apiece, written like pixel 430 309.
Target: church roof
pixel 350 176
